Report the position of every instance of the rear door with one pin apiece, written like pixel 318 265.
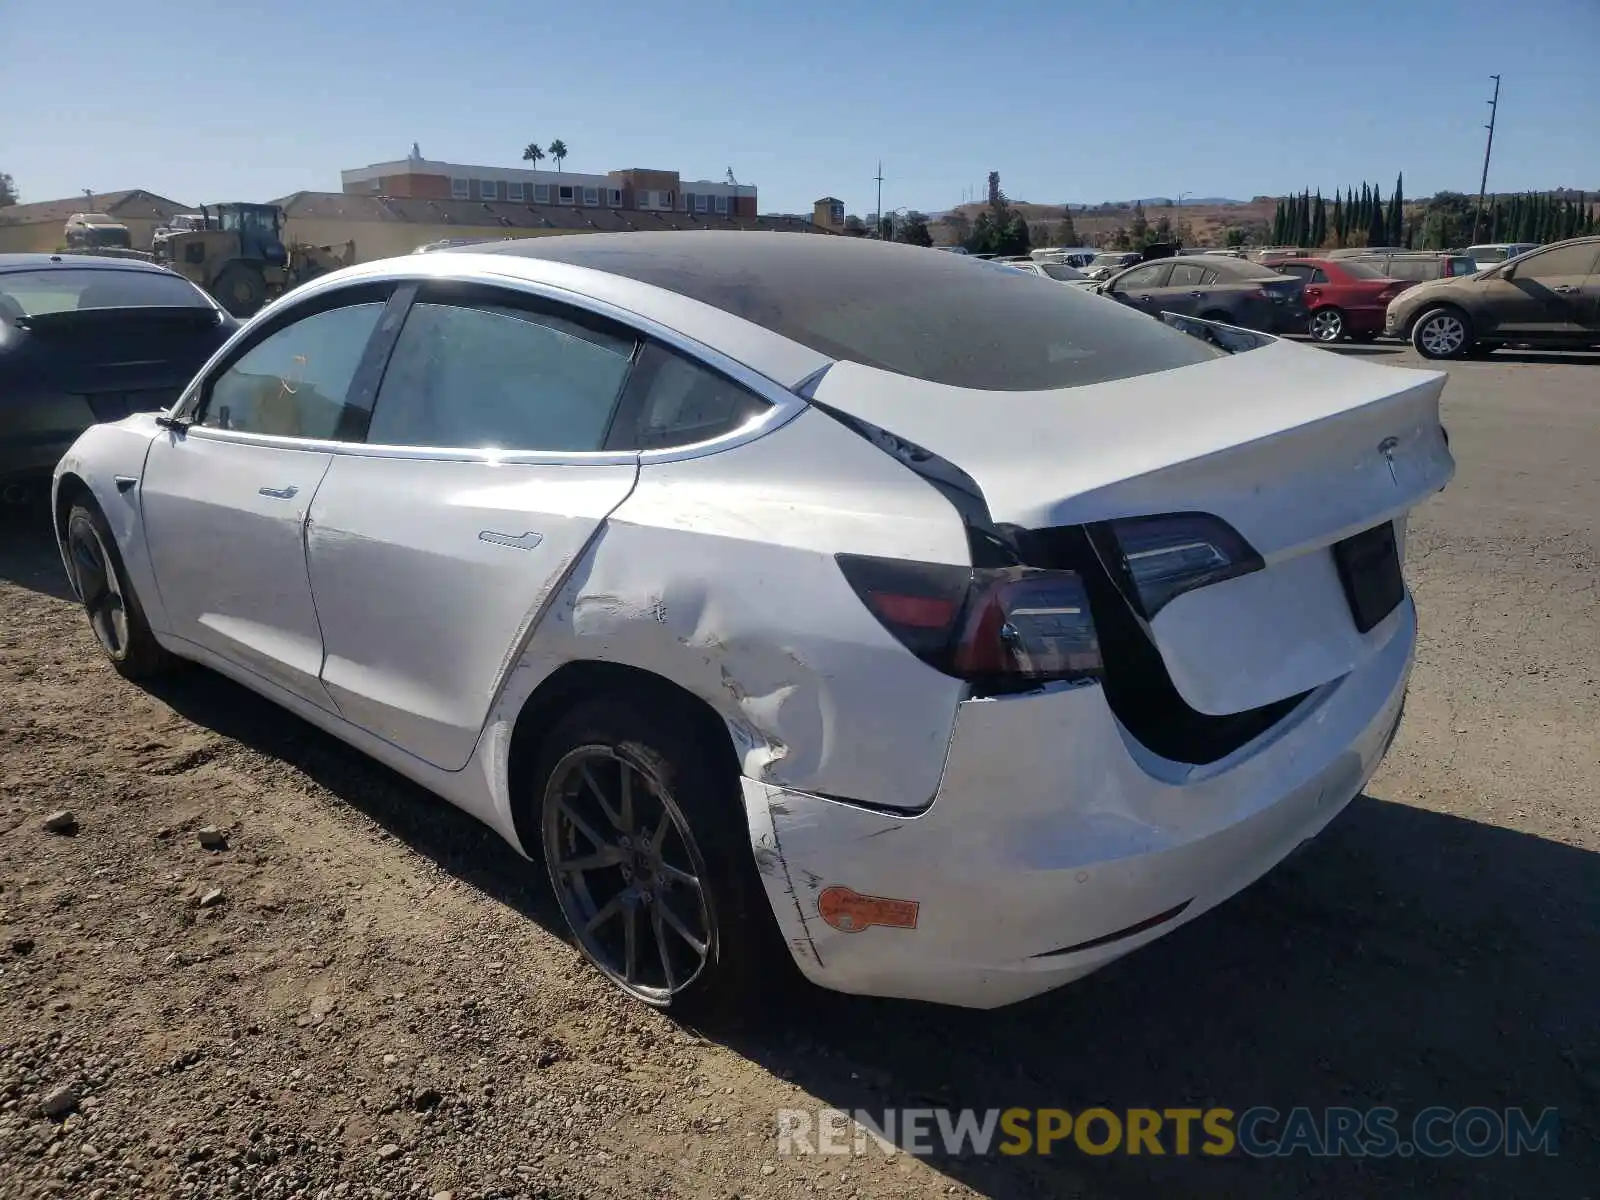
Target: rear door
pixel 434 548
pixel 1187 290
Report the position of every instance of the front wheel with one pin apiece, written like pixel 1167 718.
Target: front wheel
pixel 241 289
pixel 1442 333
pixel 646 848
pixel 1327 325
pixel 108 597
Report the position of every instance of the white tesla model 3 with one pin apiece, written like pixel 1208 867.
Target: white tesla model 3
pixel 959 630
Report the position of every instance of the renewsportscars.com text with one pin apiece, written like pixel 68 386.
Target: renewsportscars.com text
pixel 1258 1132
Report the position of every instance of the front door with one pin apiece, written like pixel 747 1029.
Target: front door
pixel 1187 291
pixel 434 549
pixel 1141 287
pixel 225 499
pixel 1543 297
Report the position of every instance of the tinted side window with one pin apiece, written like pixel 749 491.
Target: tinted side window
pixel 1187 275
pixel 1143 277
pixel 295 382
pixel 495 377
pixel 674 401
pixel 1293 270
pixel 1564 260
pixel 1412 269
pixel 1317 275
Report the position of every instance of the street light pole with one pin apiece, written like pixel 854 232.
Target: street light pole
pixel 1483 182
pixel 877 217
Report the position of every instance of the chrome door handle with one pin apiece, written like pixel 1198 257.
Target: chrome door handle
pixel 1564 289
pixel 284 493
pixel 1198 295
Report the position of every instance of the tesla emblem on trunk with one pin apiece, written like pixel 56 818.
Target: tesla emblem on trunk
pixel 1387 447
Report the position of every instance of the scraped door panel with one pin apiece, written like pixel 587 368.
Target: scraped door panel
pixel 427 574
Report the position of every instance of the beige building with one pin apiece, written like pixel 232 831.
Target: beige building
pixel 41 227
pixel 386 226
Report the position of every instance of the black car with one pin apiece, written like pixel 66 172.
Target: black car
pixel 85 339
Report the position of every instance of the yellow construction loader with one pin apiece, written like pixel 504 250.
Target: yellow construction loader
pixel 237 253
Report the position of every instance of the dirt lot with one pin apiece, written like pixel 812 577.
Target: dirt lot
pixel 362 995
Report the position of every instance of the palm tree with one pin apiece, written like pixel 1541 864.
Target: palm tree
pixel 533 154
pixel 558 151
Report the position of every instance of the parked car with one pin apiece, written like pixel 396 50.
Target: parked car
pixel 1490 253
pixel 1073 256
pixel 1058 271
pixel 950 635
pixel 1108 263
pixel 1549 298
pixel 1416 266
pixel 1344 298
pixel 1228 290
pixel 84 338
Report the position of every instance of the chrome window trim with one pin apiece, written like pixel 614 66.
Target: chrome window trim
pixel 785 404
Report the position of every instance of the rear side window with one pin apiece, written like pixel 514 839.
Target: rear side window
pixel 74 289
pixel 495 377
pixel 673 401
pixel 1188 275
pixel 295 382
pixel 1411 269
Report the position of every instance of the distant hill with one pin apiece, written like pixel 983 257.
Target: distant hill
pixel 1198 222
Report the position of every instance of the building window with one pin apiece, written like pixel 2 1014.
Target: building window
pixel 666 199
pixel 722 205
pixel 591 195
pixel 615 197
pixel 702 202
pixel 516 192
pixel 541 193
pixel 488 189
pixel 460 189
pixel 564 193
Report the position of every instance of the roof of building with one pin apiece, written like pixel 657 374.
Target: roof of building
pixel 342 206
pixel 135 203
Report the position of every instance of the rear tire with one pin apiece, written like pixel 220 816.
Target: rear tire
pixel 1442 332
pixel 645 844
pixel 1327 325
pixel 115 614
pixel 240 289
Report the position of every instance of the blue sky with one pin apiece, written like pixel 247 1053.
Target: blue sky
pixel 1089 101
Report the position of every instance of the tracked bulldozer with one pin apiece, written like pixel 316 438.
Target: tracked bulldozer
pixel 237 253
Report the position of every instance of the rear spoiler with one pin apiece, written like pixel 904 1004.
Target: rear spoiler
pixel 73 319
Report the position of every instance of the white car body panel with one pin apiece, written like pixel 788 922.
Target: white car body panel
pixel 205 502
pixel 1036 838
pixel 398 545
pixel 742 605
pixel 1297 425
pixel 1052 830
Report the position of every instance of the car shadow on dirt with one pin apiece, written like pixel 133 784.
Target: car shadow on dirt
pixel 28 554
pixel 1406 959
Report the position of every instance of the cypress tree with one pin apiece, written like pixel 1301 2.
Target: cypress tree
pixel 1396 212
pixel 1338 218
pixel 1375 221
pixel 1319 220
pixel 1277 225
pixel 1302 228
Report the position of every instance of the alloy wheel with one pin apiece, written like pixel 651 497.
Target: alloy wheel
pixel 627 872
pixel 1327 325
pixel 99 587
pixel 1442 335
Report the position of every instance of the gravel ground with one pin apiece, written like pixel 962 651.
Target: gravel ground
pixel 262 966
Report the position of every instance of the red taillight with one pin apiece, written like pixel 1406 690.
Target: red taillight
pixel 1000 628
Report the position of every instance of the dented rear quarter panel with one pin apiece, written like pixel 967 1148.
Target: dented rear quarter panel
pixel 717 574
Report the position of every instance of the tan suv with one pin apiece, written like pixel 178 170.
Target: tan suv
pixel 1413 266
pixel 1548 299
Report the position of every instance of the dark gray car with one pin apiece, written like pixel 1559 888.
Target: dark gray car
pixel 1232 291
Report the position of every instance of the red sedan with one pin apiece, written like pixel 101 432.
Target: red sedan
pixel 1344 299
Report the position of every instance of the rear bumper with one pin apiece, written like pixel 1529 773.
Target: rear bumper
pixel 1055 843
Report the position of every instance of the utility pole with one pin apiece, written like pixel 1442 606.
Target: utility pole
pixel 1483 183
pixel 877 217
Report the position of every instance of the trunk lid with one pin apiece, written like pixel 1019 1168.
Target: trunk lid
pixel 1296 449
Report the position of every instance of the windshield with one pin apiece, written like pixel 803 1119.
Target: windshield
pixel 1360 270
pixel 1060 271
pixel 1109 260
pixel 69 289
pixel 895 307
pixel 250 220
pixel 1489 254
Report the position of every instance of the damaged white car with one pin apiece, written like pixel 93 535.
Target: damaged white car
pixel 950 631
